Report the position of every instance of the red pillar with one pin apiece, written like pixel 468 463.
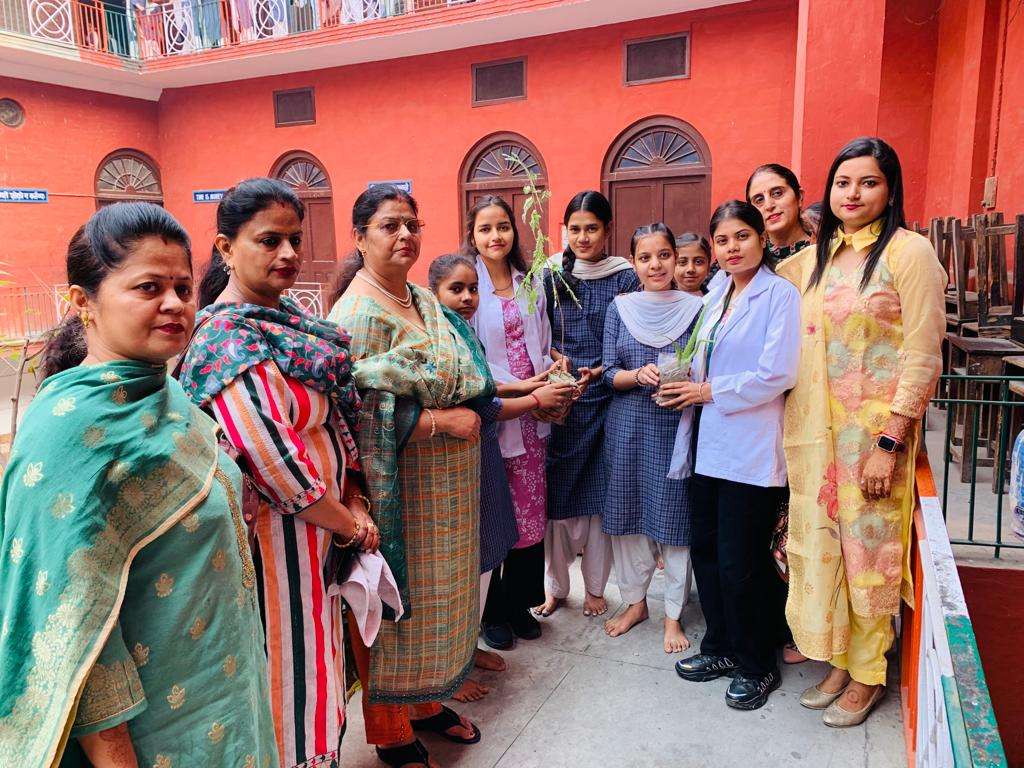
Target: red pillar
pixel 864 69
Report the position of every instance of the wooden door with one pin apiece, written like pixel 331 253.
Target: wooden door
pixel 514 196
pixel 319 259
pixel 679 202
pixel 633 205
pixel 657 170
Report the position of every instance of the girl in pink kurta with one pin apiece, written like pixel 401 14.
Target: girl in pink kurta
pixel 518 348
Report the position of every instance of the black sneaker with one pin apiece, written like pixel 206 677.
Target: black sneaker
pixel 525 626
pixel 498 636
pixel 704 667
pixel 751 692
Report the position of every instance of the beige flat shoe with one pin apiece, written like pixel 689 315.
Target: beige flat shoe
pixel 815 698
pixel 837 717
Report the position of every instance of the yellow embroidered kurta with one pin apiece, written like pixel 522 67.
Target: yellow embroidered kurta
pixel 865 355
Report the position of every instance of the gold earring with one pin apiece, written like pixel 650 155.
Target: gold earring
pixel 85 317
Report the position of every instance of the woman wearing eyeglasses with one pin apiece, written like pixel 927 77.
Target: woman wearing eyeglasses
pixel 416 364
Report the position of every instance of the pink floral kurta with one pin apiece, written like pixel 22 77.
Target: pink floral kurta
pixel 526 473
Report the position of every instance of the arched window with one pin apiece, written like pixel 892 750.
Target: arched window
pixel 308 177
pixel 496 166
pixel 127 175
pixel 658 169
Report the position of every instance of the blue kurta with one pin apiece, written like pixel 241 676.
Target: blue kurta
pixel 498 533
pixel 577 481
pixel 638 447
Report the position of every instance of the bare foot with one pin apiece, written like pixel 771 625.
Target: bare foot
pixel 675 637
pixel 626 620
pixel 835 680
pixel 856 696
pixel 594 606
pixel 471 690
pixel 489 660
pixel 791 654
pixel 551 604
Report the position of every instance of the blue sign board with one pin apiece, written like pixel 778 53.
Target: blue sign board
pixel 404 184
pixel 11 195
pixel 207 195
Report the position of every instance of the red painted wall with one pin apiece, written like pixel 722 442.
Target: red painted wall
pixel 413 118
pixel 65 136
pixel 1008 134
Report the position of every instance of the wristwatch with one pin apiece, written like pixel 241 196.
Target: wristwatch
pixel 889 444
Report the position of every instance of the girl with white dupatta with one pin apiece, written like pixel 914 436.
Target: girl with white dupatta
pixel 646 513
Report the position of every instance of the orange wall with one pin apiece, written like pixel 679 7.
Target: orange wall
pixel 65 136
pixel 412 118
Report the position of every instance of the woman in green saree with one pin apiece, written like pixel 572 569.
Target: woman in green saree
pixel 129 630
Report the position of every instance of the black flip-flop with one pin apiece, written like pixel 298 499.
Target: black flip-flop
pixel 442 722
pixel 396 757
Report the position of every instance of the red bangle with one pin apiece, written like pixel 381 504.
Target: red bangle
pixel 537 401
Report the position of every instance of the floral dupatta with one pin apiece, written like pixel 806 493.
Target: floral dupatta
pixel 109 458
pixel 397 380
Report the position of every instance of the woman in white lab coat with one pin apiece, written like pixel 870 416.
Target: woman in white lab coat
pixel 746 358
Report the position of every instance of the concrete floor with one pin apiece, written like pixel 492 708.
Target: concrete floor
pixel 576 697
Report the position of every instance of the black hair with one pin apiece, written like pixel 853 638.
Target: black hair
pixel 657 228
pixel 892 217
pixel 515 255
pixel 99 247
pixel 748 214
pixel 365 206
pixel 812 218
pixel 236 209
pixel 589 201
pixel 791 181
pixel 443 266
pixel 692 238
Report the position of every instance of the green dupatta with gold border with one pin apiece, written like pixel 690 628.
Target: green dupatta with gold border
pixel 108 458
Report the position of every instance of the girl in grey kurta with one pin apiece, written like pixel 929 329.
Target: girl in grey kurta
pixel 646 514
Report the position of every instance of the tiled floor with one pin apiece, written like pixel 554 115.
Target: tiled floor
pixel 579 698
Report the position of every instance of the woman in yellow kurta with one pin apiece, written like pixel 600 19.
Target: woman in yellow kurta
pixel 873 321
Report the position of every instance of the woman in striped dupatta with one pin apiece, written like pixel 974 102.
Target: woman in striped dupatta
pixel 278 383
pixel 415 367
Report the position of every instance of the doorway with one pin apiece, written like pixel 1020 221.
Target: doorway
pixel 658 169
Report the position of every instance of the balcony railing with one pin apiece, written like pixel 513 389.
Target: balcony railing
pixel 145 31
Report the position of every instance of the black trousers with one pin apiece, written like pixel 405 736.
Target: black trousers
pixel 732 526
pixel 516 585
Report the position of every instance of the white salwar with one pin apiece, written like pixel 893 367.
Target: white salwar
pixel 636 557
pixel 564 540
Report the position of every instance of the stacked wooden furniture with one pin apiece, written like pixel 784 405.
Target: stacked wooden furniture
pixel 982 303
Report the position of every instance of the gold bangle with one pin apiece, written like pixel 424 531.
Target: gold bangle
pixel 433 423
pixel 355 535
pixel 366 501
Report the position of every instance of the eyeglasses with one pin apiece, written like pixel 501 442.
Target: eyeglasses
pixel 392 227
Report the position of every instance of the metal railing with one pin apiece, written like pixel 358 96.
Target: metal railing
pixel 982 420
pixel 28 313
pixel 165 29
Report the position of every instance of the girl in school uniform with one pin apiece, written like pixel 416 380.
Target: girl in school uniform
pixel 747 355
pixel 646 514
pixel 577 484
pixel 693 264
pixel 518 348
pixel 453 279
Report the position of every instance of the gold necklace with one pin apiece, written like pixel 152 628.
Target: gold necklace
pixel 406 302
